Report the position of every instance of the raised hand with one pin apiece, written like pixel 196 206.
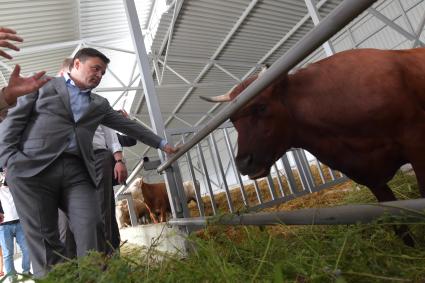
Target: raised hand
pixel 19 86
pixel 7 34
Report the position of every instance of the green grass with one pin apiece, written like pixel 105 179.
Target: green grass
pixel 344 253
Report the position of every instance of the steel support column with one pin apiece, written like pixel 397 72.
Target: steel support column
pixel 151 98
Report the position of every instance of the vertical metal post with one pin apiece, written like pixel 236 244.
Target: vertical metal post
pixel 223 175
pixel 150 93
pixel 232 158
pixel 271 187
pixel 320 170
pixel 257 190
pixel 214 164
pixel 289 175
pixel 199 200
pixel 207 178
pixel 279 181
pixel 307 168
pixel 301 171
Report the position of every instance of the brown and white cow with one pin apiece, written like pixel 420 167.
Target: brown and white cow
pixel 155 196
pixel 360 111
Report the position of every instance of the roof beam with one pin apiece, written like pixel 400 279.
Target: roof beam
pixel 266 56
pixel 214 56
pixel 394 26
pixel 314 14
pixel 60 45
pixel 176 12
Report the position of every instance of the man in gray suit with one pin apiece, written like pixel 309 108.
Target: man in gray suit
pixel 46 145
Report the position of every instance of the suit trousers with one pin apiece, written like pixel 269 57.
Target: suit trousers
pixel 64 184
pixel 106 200
pixel 104 171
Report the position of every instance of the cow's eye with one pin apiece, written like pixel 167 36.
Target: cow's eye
pixel 259 109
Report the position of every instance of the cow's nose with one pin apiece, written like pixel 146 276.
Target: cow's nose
pixel 243 162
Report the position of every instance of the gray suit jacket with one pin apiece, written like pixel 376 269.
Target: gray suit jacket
pixel 38 129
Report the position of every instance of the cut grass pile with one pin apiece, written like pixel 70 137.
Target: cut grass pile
pixel 344 253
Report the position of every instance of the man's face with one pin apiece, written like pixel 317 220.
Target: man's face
pixel 89 73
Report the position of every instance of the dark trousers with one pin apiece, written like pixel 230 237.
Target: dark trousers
pixel 65 185
pixel 104 169
pixel 106 201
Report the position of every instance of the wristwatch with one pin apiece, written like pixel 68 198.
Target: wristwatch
pixel 120 161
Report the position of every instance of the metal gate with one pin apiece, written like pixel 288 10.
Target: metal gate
pixel 222 188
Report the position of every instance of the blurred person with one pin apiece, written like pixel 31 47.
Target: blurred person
pixel 10 229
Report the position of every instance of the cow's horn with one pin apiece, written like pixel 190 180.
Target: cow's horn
pixel 218 98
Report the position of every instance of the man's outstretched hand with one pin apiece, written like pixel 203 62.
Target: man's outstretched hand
pixel 170 149
pixel 19 86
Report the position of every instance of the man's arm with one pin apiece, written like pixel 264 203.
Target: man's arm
pixel 116 121
pixel 14 125
pixel 126 141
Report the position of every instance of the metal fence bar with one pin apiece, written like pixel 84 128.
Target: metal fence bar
pixel 130 205
pixel 223 175
pixel 206 176
pixel 331 173
pixel 258 192
pixel 320 170
pixel 213 161
pixel 289 176
pixel 232 158
pixel 307 168
pixel 301 171
pixel 346 214
pixel 279 181
pixel 199 201
pixel 271 187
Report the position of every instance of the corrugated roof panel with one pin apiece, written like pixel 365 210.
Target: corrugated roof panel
pixel 41 22
pixel 99 18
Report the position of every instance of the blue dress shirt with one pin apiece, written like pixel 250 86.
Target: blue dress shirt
pixel 79 100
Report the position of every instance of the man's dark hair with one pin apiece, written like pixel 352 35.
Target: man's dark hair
pixel 85 53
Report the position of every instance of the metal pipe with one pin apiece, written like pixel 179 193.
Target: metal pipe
pixel 330 25
pixel 347 214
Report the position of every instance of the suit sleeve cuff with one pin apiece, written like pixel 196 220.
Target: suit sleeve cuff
pixel 116 147
pixel 162 144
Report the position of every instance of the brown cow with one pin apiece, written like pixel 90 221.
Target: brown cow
pixel 360 111
pixel 155 197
